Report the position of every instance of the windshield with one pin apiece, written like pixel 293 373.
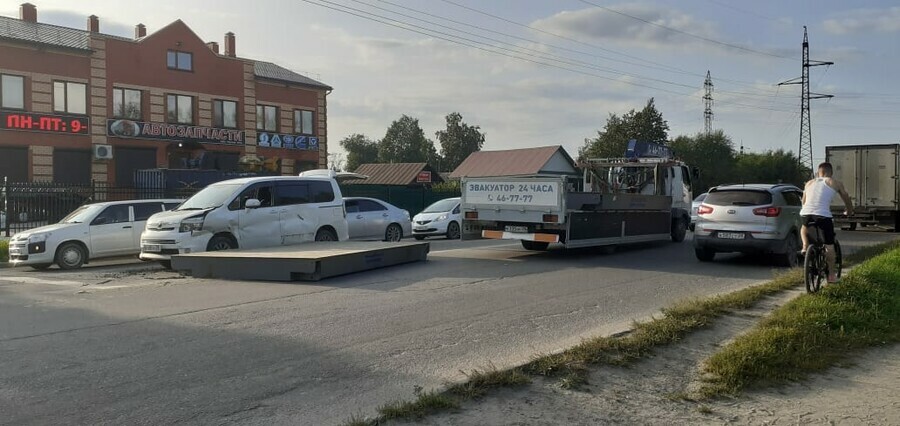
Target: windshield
pixel 442 206
pixel 210 197
pixel 739 198
pixel 82 214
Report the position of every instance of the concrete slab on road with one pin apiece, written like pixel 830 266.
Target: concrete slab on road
pixel 210 351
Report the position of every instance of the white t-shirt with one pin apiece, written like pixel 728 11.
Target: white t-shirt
pixel 818 199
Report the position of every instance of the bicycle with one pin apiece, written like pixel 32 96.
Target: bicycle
pixel 815 265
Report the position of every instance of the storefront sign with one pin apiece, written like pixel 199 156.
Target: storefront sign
pixel 277 140
pixel 176 132
pixel 423 177
pixel 30 122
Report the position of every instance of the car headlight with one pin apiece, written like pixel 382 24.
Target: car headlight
pixel 39 237
pixel 441 217
pixel 191 224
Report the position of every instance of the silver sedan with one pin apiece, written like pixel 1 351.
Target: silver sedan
pixel 369 219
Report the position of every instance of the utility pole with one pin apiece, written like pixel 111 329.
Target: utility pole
pixel 707 103
pixel 805 153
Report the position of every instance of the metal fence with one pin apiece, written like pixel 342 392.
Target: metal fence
pixel 26 205
pixel 412 199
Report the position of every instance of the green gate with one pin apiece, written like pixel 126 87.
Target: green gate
pixel 411 199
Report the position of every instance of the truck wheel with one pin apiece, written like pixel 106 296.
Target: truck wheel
pixel 679 230
pixel 704 255
pixel 852 226
pixel 535 245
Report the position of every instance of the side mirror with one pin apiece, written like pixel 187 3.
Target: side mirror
pixel 695 172
pixel 252 203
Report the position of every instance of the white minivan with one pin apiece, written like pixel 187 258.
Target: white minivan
pixel 249 213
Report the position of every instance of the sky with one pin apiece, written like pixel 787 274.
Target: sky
pixel 549 72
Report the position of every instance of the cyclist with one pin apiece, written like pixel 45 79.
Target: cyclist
pixel 817 197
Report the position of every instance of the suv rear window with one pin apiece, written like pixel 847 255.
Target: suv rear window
pixel 738 197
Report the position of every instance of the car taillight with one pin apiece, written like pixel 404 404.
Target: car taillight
pixel 551 218
pixel 767 211
pixel 704 209
pixel 471 215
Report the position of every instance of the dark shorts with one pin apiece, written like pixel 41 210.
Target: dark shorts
pixel 825 224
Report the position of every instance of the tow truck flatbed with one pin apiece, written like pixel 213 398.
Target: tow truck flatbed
pixel 302 262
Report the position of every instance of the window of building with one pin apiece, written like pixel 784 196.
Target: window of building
pixel 12 91
pixel 267 118
pixel 225 114
pixel 180 109
pixel 70 97
pixel 303 122
pixel 127 103
pixel 176 60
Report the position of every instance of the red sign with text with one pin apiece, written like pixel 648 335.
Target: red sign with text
pixel 424 177
pixel 31 122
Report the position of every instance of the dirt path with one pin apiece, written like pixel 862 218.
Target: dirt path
pixel 648 391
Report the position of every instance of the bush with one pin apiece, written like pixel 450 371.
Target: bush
pixel 4 251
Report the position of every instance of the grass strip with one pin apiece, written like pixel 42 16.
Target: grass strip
pixel 674 324
pixel 869 252
pixel 813 332
pixel 4 251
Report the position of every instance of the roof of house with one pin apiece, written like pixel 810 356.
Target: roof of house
pixel 392 173
pixel 511 162
pixel 46 34
pixel 272 71
pixel 72 38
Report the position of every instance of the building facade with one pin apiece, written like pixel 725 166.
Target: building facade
pixel 78 106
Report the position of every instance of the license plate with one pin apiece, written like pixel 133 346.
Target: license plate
pixel 151 248
pixel 731 235
pixel 517 229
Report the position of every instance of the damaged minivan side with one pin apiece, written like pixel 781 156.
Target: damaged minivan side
pixel 249 213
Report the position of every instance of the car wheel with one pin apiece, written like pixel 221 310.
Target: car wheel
pixel 789 258
pixel 393 233
pixel 419 237
pixel 852 226
pixel 220 243
pixel 326 235
pixel 70 256
pixel 453 231
pixel 535 245
pixel 692 227
pixel 704 254
pixel 679 230
pixel 41 267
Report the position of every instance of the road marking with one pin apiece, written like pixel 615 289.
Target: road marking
pixel 33 280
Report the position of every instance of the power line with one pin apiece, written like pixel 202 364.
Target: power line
pixel 676 30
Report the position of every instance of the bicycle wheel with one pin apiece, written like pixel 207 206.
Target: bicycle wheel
pixel 838 258
pixel 812 269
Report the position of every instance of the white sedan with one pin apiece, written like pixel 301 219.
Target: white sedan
pixel 368 218
pixel 90 232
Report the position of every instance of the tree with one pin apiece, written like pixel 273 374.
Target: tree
pixel 644 125
pixel 335 162
pixel 360 150
pixel 778 166
pixel 458 141
pixel 405 142
pixel 712 153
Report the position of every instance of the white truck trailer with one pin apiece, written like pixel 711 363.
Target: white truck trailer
pixel 870 174
pixel 616 201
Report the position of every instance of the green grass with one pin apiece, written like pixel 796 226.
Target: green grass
pixel 870 252
pixel 478 383
pixel 674 324
pixel 4 251
pixel 426 403
pixel 813 332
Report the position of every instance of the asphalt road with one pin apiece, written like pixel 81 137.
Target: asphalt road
pixel 132 344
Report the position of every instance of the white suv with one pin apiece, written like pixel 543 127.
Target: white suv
pixel 250 213
pixel 91 231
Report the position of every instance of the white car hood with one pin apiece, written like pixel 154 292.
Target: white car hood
pixel 430 216
pixel 54 228
pixel 171 218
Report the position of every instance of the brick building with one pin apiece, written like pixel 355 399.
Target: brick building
pixel 78 105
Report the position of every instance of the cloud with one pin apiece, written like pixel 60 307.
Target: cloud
pixel 72 19
pixel 864 20
pixel 602 25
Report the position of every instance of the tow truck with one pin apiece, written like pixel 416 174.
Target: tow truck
pixel 642 197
